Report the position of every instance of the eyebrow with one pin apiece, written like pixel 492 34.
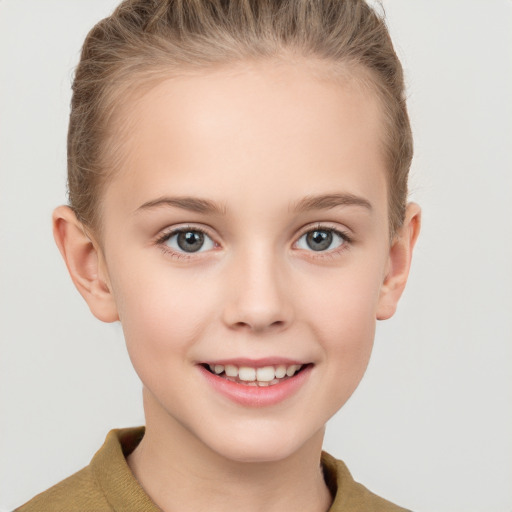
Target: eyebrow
pixel 205 206
pixel 192 204
pixel 327 201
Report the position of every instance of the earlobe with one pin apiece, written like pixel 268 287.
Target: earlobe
pixel 400 257
pixel 85 263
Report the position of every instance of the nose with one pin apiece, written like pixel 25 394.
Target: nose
pixel 257 295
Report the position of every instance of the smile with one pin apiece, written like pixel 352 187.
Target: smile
pixel 250 376
pixel 256 384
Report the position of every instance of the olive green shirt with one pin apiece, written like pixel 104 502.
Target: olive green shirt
pixel 108 485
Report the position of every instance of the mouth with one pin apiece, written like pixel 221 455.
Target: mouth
pixel 262 376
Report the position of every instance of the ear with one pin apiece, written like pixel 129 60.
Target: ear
pixel 400 256
pixel 85 263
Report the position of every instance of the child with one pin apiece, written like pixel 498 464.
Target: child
pixel 237 180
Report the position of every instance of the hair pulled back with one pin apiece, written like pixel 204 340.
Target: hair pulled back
pixel 144 41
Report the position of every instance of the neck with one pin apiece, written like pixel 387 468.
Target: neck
pixel 179 472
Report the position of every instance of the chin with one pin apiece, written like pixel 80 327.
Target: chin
pixel 255 454
pixel 264 447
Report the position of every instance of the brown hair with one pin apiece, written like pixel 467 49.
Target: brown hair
pixel 144 41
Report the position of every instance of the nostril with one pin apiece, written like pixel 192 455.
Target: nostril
pixel 276 326
pixel 255 326
pixel 241 325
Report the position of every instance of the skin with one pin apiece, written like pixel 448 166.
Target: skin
pixel 259 141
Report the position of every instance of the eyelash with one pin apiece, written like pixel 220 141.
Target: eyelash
pixel 332 253
pixel 329 254
pixel 167 235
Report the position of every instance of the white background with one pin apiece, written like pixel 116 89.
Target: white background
pixel 430 426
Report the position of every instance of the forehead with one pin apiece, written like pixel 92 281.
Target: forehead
pixel 271 128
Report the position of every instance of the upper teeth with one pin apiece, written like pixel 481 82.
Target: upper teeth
pixel 263 374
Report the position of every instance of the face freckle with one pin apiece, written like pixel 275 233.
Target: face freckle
pixel 282 176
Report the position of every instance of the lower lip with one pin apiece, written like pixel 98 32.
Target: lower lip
pixel 255 396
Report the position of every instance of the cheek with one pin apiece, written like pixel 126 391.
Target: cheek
pixel 159 311
pixel 348 331
pixel 341 309
pixel 344 301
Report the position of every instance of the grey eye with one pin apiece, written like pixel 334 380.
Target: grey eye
pixel 190 241
pixel 320 240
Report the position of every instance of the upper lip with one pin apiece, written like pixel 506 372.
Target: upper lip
pixel 256 363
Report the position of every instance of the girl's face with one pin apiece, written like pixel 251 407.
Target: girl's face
pixel 248 230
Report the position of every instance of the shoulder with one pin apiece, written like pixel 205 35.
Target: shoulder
pixel 79 492
pixel 349 495
pixel 105 485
